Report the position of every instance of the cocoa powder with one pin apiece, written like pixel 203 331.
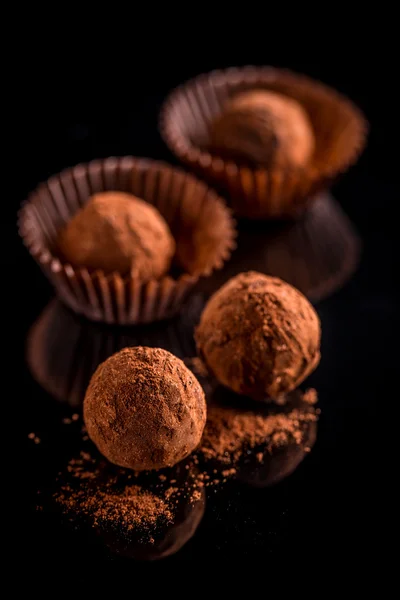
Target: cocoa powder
pixel 233 428
pixel 91 492
pixel 135 508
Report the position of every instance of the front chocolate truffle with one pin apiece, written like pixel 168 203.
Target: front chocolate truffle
pixel 116 231
pixel 144 409
pixel 263 128
pixel 259 336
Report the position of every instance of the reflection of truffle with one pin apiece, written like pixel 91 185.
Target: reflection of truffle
pixel 188 512
pixel 265 128
pixel 144 409
pixel 271 467
pixel 316 253
pixel 115 231
pixel 146 516
pixel 63 351
pixel 259 336
pixel 262 442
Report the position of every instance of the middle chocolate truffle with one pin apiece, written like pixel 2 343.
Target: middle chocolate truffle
pixel 144 409
pixel 259 336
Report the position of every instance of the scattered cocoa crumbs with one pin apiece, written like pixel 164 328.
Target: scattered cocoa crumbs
pixel 196 495
pixel 134 506
pixel 213 482
pixel 150 515
pixel 310 396
pixel 104 500
pixel 72 419
pixel 233 430
pixel 171 491
pixel 228 472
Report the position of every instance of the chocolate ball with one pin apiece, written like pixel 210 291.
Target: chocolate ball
pixel 144 409
pixel 115 231
pixel 259 336
pixel 263 128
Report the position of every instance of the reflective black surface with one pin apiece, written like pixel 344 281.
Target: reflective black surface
pixel 331 498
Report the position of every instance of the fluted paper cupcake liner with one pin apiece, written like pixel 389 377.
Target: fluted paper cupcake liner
pixel 258 193
pixel 316 253
pixel 192 210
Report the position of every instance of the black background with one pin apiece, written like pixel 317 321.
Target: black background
pixel 71 104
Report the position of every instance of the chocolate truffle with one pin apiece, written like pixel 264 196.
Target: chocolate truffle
pixel 263 128
pixel 115 231
pixel 259 336
pixel 144 409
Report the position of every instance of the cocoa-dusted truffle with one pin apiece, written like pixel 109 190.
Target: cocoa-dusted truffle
pixel 115 231
pixel 144 409
pixel 263 128
pixel 259 336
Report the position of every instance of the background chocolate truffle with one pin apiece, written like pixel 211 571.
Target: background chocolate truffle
pixel 265 128
pixel 259 336
pixel 115 231
pixel 144 409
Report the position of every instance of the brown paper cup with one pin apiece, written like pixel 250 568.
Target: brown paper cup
pixel 257 193
pixel 199 220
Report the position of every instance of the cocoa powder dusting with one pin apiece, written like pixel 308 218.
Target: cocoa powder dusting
pixel 310 396
pixel 144 409
pixel 104 503
pixel 232 430
pixel 259 336
pixel 131 510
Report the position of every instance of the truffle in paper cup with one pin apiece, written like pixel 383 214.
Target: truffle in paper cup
pixel 198 218
pixel 256 192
